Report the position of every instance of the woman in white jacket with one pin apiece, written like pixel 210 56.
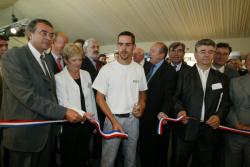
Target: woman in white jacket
pixel 73 87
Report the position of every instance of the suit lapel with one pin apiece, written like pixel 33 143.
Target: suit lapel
pixel 157 73
pixel 34 63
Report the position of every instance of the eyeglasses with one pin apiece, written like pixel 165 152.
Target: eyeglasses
pixel 44 33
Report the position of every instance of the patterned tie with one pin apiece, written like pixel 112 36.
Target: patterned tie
pixel 58 62
pixel 42 57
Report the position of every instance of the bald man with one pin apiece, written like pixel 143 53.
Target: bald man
pixel 56 53
pixel 138 57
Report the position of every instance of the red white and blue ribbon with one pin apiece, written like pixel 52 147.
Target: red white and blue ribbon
pixel 221 127
pixel 108 134
pixel 161 123
pixel 244 132
pixel 30 123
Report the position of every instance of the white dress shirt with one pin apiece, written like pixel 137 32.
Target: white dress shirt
pixel 203 76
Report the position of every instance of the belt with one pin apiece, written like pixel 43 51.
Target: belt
pixel 122 115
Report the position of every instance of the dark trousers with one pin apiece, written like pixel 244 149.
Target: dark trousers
pixel 153 148
pixel 32 159
pixel 201 149
pixel 75 141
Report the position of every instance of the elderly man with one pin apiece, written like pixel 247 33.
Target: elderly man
pixel 91 49
pixel 56 53
pixel 161 87
pixel 138 57
pixel 29 94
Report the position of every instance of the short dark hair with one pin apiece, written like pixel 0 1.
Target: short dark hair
pixel 127 33
pixel 224 45
pixel 174 45
pixel 81 41
pixel 4 38
pixel 206 42
pixel 32 25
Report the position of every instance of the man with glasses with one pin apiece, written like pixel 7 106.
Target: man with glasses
pixel 121 87
pixel 203 101
pixel 29 94
pixel 176 55
pixel 220 60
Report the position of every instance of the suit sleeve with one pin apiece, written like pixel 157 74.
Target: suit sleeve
pixel 178 105
pixel 232 117
pixel 19 84
pixel 225 101
pixel 169 90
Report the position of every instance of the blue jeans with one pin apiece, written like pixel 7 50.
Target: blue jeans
pixel 110 146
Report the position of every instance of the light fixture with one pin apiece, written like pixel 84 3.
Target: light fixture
pixel 13 30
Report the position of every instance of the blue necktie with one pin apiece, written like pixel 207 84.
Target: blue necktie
pixel 150 74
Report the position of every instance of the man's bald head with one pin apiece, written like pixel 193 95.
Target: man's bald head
pixel 138 55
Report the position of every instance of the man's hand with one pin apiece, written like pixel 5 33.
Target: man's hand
pixel 183 113
pixel 117 126
pixel 162 115
pixel 242 127
pixel 89 116
pixel 213 121
pixel 73 116
pixel 137 112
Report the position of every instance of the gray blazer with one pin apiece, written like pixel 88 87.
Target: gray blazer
pixel 28 95
pixel 230 72
pixel 240 96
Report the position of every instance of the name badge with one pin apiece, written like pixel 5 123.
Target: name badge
pixel 216 86
pixel 135 81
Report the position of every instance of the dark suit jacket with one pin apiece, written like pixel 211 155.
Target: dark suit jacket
pixel 88 66
pixel 230 72
pixel 147 65
pixel 161 88
pixel 28 95
pixel 53 62
pixel 189 97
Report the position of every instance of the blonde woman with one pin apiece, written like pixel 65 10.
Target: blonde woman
pixel 74 90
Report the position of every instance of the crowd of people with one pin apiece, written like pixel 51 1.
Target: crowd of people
pixel 51 79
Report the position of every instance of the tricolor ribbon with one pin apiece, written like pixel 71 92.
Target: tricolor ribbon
pixel 30 123
pixel 161 123
pixel 225 128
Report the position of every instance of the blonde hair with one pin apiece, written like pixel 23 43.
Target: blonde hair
pixel 71 50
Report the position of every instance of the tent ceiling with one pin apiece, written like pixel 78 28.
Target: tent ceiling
pixel 150 20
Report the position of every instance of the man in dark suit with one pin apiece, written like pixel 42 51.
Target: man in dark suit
pixel 91 50
pixel 220 60
pixel 138 57
pixel 176 56
pixel 3 49
pixel 202 96
pixel 29 94
pixel 161 86
pixel 56 53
